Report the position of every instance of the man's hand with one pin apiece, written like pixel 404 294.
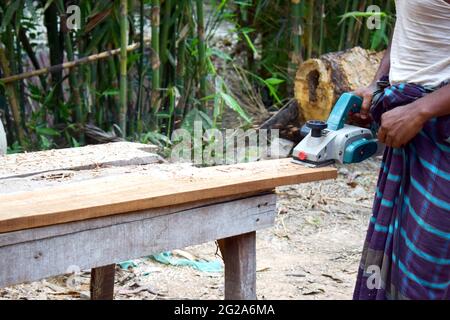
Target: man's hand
pixel 366 93
pixel 401 125
pixel 364 119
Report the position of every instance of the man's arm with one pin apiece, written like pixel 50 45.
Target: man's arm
pixel 385 65
pixel 402 124
pixel 367 92
pixel 436 104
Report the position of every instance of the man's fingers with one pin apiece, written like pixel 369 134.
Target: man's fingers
pixel 365 108
pixel 356 119
pixel 382 135
pixel 366 94
pixel 388 141
pixel 394 143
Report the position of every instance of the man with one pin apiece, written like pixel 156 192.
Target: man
pixel 407 250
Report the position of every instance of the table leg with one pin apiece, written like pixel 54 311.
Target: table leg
pixel 239 255
pixel 102 282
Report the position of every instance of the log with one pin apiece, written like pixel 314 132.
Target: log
pixel 285 120
pixel 320 82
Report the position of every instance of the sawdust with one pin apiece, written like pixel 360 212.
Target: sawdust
pixel 312 252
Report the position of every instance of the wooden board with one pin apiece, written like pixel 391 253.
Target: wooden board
pixel 84 158
pixel 92 245
pixel 26 235
pixel 131 192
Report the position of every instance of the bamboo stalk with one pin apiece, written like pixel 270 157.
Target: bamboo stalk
pixel 165 30
pixel 366 33
pixel 156 62
pixel 12 97
pixel 184 77
pixel 343 27
pixel 351 26
pixel 297 32
pixel 75 90
pixel 296 57
pixel 70 64
pixel 130 114
pixel 322 25
pixel 21 86
pixel 250 21
pixel 112 82
pixel 201 50
pixel 123 66
pixel 310 28
pixel 26 45
pixel 181 50
pixel 140 68
pixel 245 19
pixel 56 56
pixel 357 32
pixel 388 9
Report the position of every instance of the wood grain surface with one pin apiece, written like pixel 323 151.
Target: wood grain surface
pixel 133 192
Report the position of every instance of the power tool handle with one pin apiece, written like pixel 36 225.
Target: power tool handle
pixel 347 103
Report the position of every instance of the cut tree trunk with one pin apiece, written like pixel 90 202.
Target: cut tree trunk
pixel 320 82
pixel 285 120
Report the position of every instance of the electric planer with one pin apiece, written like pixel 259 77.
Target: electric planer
pixel 334 140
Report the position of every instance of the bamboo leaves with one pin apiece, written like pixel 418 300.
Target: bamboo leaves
pixel 13 12
pixel 110 73
pixel 379 36
pixel 234 105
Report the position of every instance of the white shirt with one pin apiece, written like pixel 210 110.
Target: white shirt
pixel 420 51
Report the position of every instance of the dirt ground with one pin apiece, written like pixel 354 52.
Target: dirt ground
pixel 312 252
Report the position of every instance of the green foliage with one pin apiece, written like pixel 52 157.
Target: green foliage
pixel 173 80
pixel 14 148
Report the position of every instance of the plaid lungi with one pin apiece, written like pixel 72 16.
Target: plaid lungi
pixel 406 254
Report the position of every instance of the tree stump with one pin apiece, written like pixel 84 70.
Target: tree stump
pixel 286 121
pixel 320 82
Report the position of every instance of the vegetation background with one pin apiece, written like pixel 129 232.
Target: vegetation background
pixel 145 68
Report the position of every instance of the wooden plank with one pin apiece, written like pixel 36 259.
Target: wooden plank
pixel 102 282
pixel 130 192
pixel 15 237
pixel 102 246
pixel 239 255
pixel 84 158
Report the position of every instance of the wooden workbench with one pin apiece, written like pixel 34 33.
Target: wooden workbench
pixel 95 206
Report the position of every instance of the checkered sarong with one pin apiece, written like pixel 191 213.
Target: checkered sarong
pixel 407 250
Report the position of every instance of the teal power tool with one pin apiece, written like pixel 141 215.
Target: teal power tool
pixel 334 140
